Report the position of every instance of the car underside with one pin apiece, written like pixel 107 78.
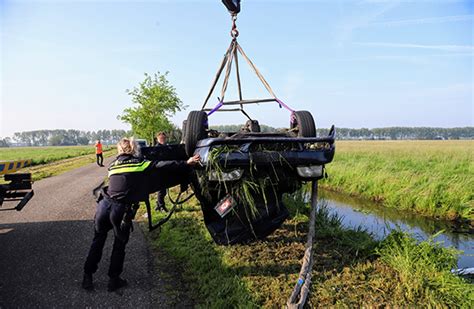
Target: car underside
pixel 243 175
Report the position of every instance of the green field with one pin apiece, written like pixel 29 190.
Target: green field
pixel 43 155
pixel 350 270
pixel 54 160
pixel 432 178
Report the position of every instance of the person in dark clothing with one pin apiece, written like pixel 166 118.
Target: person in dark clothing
pixel 161 194
pixel 131 179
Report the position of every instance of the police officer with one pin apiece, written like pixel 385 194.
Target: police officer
pixel 131 179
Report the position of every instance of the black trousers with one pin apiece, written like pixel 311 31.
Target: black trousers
pixel 109 215
pixel 101 157
pixel 160 201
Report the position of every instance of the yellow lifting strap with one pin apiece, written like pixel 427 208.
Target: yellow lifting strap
pixel 8 167
pixel 128 168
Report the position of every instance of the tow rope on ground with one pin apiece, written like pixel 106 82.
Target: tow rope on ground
pixel 301 289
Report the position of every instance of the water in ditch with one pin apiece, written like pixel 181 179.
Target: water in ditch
pixel 380 220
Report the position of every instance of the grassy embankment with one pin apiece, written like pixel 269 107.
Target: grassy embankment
pixel 432 178
pixel 51 161
pixel 351 269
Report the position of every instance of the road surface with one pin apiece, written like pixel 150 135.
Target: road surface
pixel 43 248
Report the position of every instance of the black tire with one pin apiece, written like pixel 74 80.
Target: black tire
pixel 305 123
pixel 196 126
pixel 253 125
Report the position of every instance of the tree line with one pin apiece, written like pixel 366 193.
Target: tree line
pixel 390 133
pixel 403 133
pixel 62 137
pixel 77 137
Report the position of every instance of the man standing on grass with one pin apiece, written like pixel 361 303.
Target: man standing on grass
pixel 98 153
pixel 160 196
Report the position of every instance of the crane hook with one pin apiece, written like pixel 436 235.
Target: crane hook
pixel 234 33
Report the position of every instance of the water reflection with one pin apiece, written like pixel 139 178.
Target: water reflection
pixel 380 220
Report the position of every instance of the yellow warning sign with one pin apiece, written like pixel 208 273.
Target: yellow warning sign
pixel 8 167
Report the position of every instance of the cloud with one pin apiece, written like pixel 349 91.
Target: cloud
pixel 362 19
pixel 428 20
pixel 447 48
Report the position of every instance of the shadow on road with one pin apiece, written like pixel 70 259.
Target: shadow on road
pixel 41 266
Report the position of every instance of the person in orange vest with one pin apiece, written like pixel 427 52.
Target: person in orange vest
pixel 98 153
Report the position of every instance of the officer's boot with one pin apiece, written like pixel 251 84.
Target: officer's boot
pixel 116 283
pixel 87 283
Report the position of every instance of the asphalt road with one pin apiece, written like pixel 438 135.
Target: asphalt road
pixel 43 248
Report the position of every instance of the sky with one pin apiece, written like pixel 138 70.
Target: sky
pixel 67 64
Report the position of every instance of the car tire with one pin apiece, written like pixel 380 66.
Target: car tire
pixel 196 126
pixel 304 122
pixel 253 125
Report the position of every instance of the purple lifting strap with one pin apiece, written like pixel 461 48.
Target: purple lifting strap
pixel 292 117
pixel 219 105
pixel 284 105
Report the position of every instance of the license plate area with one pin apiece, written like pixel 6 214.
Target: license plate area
pixel 225 205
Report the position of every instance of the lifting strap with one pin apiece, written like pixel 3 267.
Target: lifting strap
pixel 231 56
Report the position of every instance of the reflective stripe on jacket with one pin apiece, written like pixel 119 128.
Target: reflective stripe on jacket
pixel 128 168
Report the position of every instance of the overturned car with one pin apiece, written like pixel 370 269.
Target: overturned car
pixel 243 175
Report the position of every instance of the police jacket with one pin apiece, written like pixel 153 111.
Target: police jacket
pixel 132 179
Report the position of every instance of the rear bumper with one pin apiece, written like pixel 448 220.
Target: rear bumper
pixel 303 152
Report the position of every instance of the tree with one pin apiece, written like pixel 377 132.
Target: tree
pixel 56 140
pixel 155 100
pixel 5 142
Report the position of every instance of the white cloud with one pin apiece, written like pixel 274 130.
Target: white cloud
pixel 447 48
pixel 361 19
pixel 427 20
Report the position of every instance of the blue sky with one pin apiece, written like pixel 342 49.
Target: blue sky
pixel 66 64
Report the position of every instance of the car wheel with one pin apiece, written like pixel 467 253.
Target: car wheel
pixel 196 126
pixel 304 122
pixel 253 125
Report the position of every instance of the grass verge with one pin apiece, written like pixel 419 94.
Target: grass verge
pixel 351 268
pixel 432 178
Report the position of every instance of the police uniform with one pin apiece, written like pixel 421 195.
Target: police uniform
pixel 131 180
